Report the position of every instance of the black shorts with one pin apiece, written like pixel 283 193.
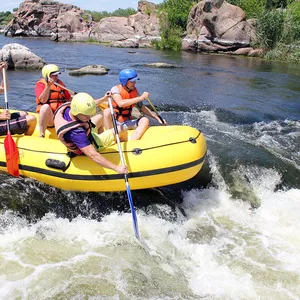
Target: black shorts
pixel 17 125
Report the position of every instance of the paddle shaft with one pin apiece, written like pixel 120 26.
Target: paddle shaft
pixel 11 150
pixel 134 218
pixel 5 97
pixel 63 87
pixel 153 107
pixel 102 105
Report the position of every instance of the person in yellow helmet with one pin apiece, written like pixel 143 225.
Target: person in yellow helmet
pixel 78 128
pixel 49 96
pixel 20 122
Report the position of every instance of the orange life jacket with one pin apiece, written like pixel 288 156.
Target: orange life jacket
pixel 124 113
pixel 62 126
pixel 56 96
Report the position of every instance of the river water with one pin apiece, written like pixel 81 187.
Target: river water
pixel 232 232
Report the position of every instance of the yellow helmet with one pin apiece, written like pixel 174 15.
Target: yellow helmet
pixel 49 69
pixel 83 103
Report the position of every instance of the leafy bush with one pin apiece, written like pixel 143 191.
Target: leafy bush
pixel 285 52
pixel 178 11
pixel 252 8
pixel 292 23
pixel 270 27
pixel 273 4
pixel 170 39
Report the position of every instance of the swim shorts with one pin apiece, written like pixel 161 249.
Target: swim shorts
pixel 104 139
pixel 17 125
pixel 129 124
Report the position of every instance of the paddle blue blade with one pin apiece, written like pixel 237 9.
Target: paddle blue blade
pixel 134 218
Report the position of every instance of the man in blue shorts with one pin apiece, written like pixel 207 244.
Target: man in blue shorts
pixel 78 130
pixel 20 122
pixel 125 97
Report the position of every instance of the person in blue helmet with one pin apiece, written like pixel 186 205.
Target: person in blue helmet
pixel 125 96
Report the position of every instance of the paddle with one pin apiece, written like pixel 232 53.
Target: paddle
pixel 11 150
pixel 134 218
pixel 153 107
pixel 102 105
pixel 65 88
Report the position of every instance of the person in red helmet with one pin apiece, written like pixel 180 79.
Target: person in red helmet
pixel 125 96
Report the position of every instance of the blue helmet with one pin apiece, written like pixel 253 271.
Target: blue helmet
pixel 128 74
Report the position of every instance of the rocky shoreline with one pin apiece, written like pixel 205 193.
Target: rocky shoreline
pixel 213 26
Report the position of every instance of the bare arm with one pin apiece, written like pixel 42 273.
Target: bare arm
pixel 126 102
pixel 151 114
pixel 102 99
pixel 44 96
pixel 5 115
pixel 102 161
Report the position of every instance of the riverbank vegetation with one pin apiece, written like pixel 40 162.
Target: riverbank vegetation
pixel 173 16
pixel 5 17
pixel 97 16
pixel 277 23
pixel 278 26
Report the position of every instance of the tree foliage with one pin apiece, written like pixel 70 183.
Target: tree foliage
pixel 252 8
pixel 5 17
pixel 178 11
pixel 97 16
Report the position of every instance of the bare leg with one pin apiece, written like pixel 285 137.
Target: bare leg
pixel 98 121
pixel 31 122
pixel 23 113
pixel 45 118
pixel 123 133
pixel 140 130
pixel 107 118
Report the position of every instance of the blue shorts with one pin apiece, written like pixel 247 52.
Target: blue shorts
pixel 129 124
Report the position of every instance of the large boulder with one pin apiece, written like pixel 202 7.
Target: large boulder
pixel 66 22
pixel 112 29
pixel 215 25
pixel 45 18
pixel 20 57
pixel 138 30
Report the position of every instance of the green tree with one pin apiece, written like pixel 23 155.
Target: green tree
pixel 97 16
pixel 252 8
pixel 120 12
pixel 5 17
pixel 178 11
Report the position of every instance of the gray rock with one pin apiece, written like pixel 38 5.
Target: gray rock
pixel 129 43
pixel 90 70
pixel 161 65
pixel 217 26
pixel 20 57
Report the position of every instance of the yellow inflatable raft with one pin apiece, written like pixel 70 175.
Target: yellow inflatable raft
pixel 165 155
